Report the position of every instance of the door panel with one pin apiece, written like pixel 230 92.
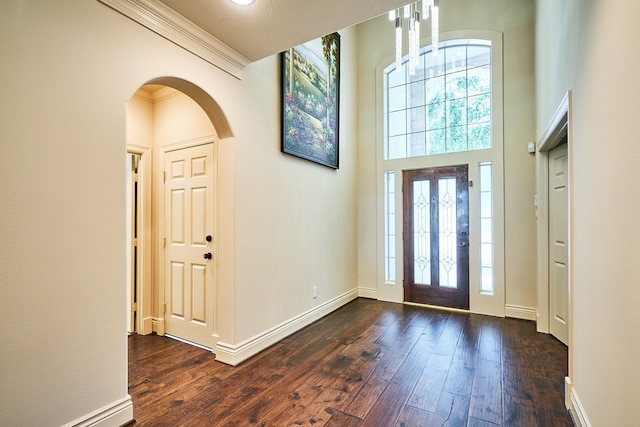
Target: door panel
pixel 558 238
pixel 189 220
pixel 436 236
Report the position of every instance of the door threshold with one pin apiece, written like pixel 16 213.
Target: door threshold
pixel 173 337
pixel 438 307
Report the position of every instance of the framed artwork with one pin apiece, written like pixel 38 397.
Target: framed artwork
pixel 310 100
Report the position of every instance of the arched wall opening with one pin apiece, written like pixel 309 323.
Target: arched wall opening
pixel 169 114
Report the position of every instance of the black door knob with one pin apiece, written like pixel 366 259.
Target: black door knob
pixel 207 255
pixel 208 238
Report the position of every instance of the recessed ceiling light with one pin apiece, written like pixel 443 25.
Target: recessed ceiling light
pixel 242 2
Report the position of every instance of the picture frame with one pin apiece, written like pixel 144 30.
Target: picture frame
pixel 310 100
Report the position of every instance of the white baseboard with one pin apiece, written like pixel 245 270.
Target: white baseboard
pixel 368 292
pixel 520 312
pixel 233 354
pixel 577 410
pixel 117 413
pixel 157 325
pixel 147 326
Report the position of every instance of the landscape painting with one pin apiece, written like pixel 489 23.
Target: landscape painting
pixel 310 92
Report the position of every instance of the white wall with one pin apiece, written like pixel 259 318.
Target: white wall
pixel 515 19
pixel 591 47
pixel 295 220
pixel 68 69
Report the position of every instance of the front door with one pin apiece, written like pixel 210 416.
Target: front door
pixel 558 248
pixel 189 244
pixel 436 236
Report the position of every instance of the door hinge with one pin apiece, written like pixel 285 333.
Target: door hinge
pixel 134 306
pixel 164 308
pixel 164 177
pixel 134 177
pixel 164 242
pixel 134 241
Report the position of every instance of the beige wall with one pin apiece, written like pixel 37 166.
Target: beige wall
pixel 295 220
pixel 591 47
pixel 68 71
pixel 515 19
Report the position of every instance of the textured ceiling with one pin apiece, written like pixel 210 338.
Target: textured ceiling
pixel 267 27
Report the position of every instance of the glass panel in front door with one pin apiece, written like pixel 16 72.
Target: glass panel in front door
pixel 422 232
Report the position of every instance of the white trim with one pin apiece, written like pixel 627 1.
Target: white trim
pixel 144 291
pixel 557 127
pixel 580 417
pixel 166 22
pixel 547 141
pixel 157 325
pixel 233 354
pixel 368 292
pixel 117 413
pixel 208 139
pixel 520 312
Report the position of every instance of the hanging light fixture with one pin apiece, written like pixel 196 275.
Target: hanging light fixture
pixel 413 15
pixel 435 26
pixel 398 43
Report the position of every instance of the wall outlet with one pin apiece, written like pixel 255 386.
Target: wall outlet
pixel 315 292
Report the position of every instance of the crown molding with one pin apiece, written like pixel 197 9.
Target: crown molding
pixel 169 24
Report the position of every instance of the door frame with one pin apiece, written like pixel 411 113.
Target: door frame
pixel 160 268
pixel 144 323
pixel 559 126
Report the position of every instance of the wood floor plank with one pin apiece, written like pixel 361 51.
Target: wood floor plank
pixel 490 343
pixel 368 363
pixel 369 393
pixel 486 395
pixel 453 409
pixel 391 348
pixel 448 341
pixel 414 417
pixel 427 392
pixel 519 411
pixel 340 419
pixel 475 422
pixel 389 404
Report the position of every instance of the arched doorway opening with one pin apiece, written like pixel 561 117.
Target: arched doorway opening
pixel 168 118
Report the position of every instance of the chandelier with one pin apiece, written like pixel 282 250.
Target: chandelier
pixel 412 14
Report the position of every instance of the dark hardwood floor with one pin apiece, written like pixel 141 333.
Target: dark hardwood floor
pixel 369 363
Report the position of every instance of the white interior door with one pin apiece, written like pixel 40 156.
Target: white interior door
pixel 189 244
pixel 558 243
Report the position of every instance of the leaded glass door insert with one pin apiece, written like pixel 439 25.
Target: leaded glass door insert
pixel 436 236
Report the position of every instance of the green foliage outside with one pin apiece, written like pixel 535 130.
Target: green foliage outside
pixel 445 112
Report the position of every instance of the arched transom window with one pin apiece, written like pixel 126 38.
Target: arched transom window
pixel 445 106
